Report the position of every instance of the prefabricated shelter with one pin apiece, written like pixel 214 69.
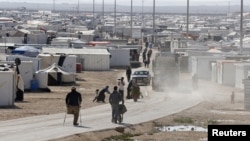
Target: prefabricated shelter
pixel 33 37
pixel 119 57
pixel 90 59
pixel 7 88
pixel 26 72
pixel 241 73
pixel 193 53
pixel 63 41
pixel 214 72
pixel 36 61
pixel 184 63
pixel 67 62
pixel 202 66
pixel 78 44
pixel 134 51
pixel 58 76
pixel 108 27
pixel 226 72
pixel 246 83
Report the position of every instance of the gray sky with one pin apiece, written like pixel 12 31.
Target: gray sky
pixel 146 2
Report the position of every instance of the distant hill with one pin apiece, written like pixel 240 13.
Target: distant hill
pixel 109 8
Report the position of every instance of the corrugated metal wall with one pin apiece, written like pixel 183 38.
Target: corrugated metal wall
pixel 119 57
pixel 246 93
pixel 241 74
pixel 98 62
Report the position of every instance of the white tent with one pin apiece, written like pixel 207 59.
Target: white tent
pixel 67 62
pixel 58 76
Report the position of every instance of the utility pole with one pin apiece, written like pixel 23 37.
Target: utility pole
pixel 53 5
pixel 103 9
pixel 241 27
pixel 154 21
pixel 93 13
pixel 115 19
pixel 78 7
pixel 142 13
pixel 131 19
pixel 187 17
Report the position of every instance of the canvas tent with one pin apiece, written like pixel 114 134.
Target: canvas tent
pixel 57 76
pixel 67 62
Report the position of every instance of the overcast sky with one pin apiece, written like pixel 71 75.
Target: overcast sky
pixel 146 2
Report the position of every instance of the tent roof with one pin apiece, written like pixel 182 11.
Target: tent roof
pixel 76 51
pixel 27 48
pixel 55 68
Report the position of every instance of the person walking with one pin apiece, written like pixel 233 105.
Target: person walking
pixel 129 89
pixel 73 102
pixel 128 73
pixel 144 55
pixel 114 100
pixel 101 96
pixel 121 85
pixel 149 53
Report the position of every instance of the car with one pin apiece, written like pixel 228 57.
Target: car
pixel 142 77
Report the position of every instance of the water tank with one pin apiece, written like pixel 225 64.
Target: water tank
pixel 34 85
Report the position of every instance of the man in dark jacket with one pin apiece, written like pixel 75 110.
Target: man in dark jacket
pixel 128 73
pixel 114 100
pixel 73 101
pixel 101 96
pixel 129 89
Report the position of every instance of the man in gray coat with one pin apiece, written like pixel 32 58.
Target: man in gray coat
pixel 114 100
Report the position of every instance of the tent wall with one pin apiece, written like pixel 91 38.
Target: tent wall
pixel 68 64
pixel 7 88
pixel 119 57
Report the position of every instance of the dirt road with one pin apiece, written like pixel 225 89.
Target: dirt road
pixel 154 105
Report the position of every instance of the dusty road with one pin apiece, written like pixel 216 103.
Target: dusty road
pixel 154 105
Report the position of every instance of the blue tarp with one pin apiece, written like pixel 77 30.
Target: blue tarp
pixel 27 51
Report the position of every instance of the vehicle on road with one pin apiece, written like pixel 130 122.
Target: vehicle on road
pixel 142 77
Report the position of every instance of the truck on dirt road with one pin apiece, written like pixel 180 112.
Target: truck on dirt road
pixel 166 71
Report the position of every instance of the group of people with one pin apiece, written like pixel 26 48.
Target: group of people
pixel 73 99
